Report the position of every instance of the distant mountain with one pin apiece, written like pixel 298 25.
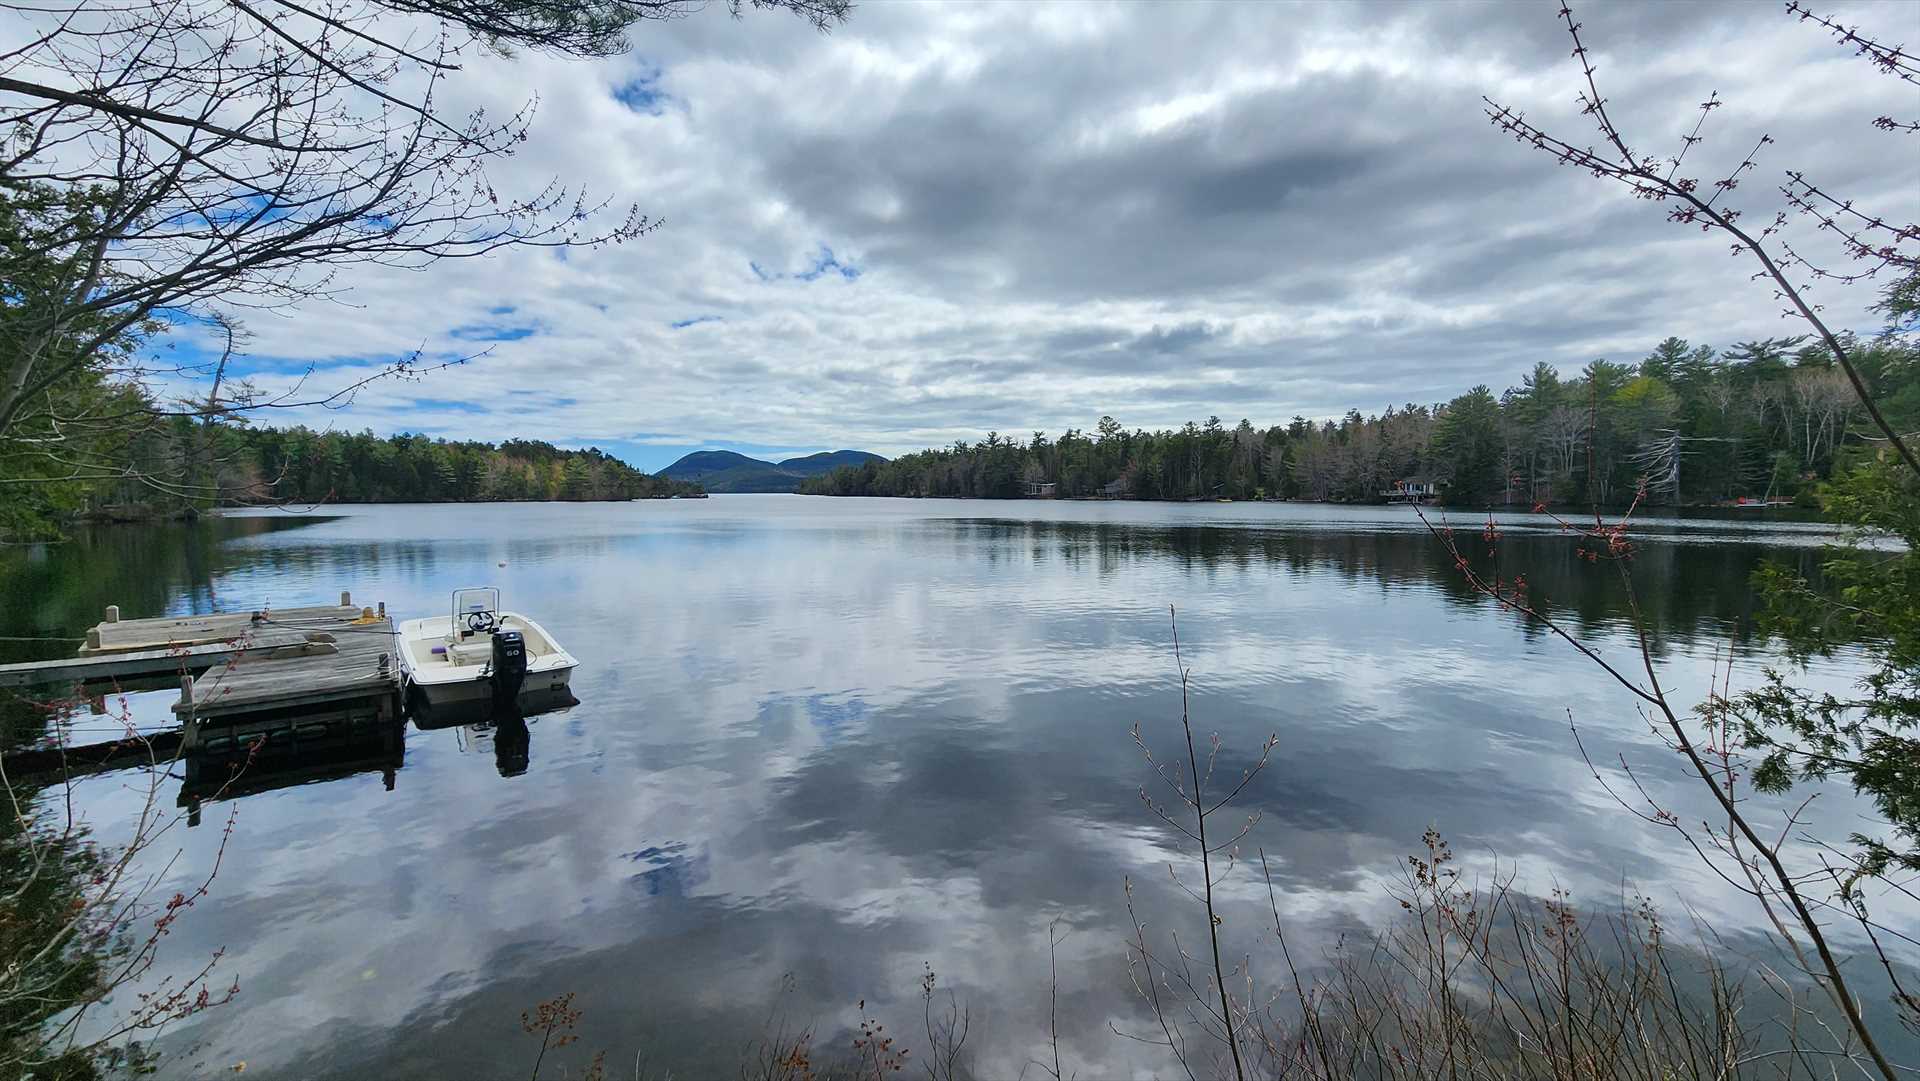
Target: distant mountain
pixel 704 463
pixel 827 461
pixel 723 471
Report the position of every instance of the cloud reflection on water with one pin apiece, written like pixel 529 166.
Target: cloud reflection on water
pixel 840 739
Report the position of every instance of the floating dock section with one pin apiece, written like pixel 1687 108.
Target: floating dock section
pixel 285 675
pixel 344 673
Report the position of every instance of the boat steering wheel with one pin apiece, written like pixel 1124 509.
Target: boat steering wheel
pixel 481 622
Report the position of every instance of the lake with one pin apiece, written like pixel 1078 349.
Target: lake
pixel 822 744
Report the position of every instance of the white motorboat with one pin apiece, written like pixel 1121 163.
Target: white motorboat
pixel 477 651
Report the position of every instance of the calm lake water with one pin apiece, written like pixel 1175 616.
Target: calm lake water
pixel 821 744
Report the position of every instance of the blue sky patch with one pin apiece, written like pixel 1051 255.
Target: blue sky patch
pixel 819 265
pixel 682 324
pixel 240 208
pixel 826 263
pixel 643 94
pixel 481 332
pixel 450 405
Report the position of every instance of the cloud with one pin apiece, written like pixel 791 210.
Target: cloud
pixel 944 219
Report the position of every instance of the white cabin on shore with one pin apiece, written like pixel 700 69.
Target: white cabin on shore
pixel 1413 490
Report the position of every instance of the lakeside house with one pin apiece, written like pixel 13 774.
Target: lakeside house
pixel 1040 489
pixel 1413 490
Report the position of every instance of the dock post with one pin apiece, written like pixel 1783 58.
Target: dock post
pixel 189 725
pixel 113 613
pixel 346 598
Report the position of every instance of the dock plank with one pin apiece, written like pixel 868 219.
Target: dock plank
pixel 351 670
pixel 161 632
pixel 147 662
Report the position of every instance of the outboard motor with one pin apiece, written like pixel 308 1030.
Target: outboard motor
pixel 509 668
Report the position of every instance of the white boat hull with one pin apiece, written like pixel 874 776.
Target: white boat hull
pixel 477 688
pixel 446 669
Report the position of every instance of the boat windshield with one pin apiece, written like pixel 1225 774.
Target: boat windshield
pixel 475 609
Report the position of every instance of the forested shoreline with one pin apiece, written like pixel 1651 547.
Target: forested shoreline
pixel 189 468
pixel 302 465
pixel 1763 420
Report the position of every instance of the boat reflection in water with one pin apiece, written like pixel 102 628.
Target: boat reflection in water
pixel 499 726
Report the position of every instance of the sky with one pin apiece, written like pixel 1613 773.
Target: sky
pixel 945 219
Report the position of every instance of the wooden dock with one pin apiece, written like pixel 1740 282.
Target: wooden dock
pixel 122 636
pixel 278 674
pixel 146 664
pixel 344 670
pixel 142 650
